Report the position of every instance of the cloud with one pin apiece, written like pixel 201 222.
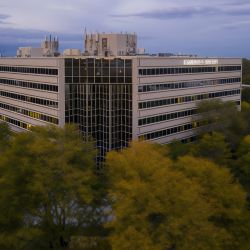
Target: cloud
pixel 170 13
pixel 12 38
pixel 190 11
pixel 193 26
pixel 3 17
pixel 238 12
pixel 234 25
pixel 236 2
pixel 146 38
pixel 31 35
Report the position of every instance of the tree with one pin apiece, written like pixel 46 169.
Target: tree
pixel 242 166
pixel 214 147
pixel 5 136
pixel 246 94
pixel 47 189
pixel 177 149
pixel 160 204
pixel 245 109
pixel 245 71
pixel 226 198
pixel 225 118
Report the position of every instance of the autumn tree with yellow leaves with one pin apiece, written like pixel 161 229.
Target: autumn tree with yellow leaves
pixel 159 204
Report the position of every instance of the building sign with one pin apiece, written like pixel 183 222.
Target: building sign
pixel 200 61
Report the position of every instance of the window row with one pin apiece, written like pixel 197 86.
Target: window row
pixel 176 71
pixel 29 113
pixel 171 131
pixel 230 68
pixel 98 72
pixel 186 70
pixel 98 79
pixel 92 70
pixel 30 85
pixel 15 122
pixel 180 85
pixel 96 63
pixel 183 99
pixel 38 71
pixel 35 100
pixel 166 117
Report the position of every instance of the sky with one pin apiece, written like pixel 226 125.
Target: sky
pixel 202 27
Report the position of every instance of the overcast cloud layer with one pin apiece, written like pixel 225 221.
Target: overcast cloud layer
pixel 208 28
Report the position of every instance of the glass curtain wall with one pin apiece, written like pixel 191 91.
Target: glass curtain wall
pixel 99 99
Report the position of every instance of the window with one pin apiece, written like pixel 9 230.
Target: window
pixel 163 102
pixel 35 100
pixel 170 131
pixel 176 71
pixel 31 85
pixel 39 71
pixel 167 86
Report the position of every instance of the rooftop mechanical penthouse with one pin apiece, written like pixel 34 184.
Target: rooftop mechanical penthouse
pixel 115 99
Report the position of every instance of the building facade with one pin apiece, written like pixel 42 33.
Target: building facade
pixel 168 90
pixel 31 92
pixel 115 99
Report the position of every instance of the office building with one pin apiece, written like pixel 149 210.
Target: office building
pixel 116 99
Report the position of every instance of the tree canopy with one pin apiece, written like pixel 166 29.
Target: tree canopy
pixel 225 118
pixel 212 146
pixel 246 71
pixel 5 136
pixel 242 165
pixel 160 204
pixel 47 188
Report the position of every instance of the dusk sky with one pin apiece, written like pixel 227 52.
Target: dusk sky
pixel 207 28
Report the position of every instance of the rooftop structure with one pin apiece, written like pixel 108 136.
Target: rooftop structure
pixel 48 48
pixel 101 44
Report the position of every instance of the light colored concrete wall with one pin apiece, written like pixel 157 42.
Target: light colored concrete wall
pixel 31 106
pixel 31 92
pixel 186 77
pixel 61 89
pixel 31 78
pixel 23 118
pixel 158 62
pixel 135 98
pixel 149 61
pixel 30 62
pixel 186 92
pixel 50 62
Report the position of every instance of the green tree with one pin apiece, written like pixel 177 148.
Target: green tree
pixel 245 71
pixel 225 118
pixel 5 136
pixel 214 147
pixel 242 166
pixel 159 204
pixel 226 198
pixel 246 94
pixel 177 149
pixel 47 189
pixel 245 109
